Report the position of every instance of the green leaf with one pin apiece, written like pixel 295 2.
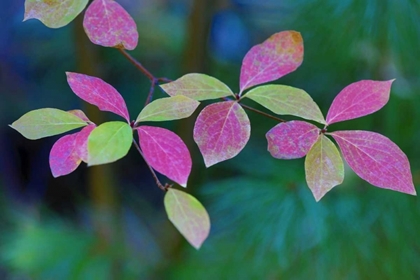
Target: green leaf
pixel 168 108
pixel 109 142
pixel 198 87
pixel 188 215
pixel 46 122
pixel 323 167
pixel 54 13
pixel 285 100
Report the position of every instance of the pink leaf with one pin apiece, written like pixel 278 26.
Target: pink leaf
pixel 99 93
pixel 221 131
pixel 376 159
pixel 166 152
pixel 82 142
pixel 107 24
pixel 63 156
pixel 279 55
pixel 294 139
pixel 359 99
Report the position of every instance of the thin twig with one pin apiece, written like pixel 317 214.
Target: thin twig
pixel 151 91
pixel 158 183
pixel 138 65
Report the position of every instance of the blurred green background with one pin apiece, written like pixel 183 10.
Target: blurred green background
pixel 108 222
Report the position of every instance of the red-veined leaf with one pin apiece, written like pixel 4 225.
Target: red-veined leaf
pixel 54 13
pixel 376 159
pixel 166 152
pixel 99 93
pixel 324 167
pixel 221 131
pixel 82 142
pixel 63 156
pixel 198 87
pixel 285 100
pixel 359 99
pixel 188 215
pixel 45 122
pixel 168 108
pixel 109 142
pixel 108 24
pixel 279 55
pixel 294 139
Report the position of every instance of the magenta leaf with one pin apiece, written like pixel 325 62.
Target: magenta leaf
pixel 166 153
pixel 188 215
pixel 324 168
pixel 63 156
pixel 221 131
pixel 376 159
pixel 82 142
pixel 359 99
pixel 289 140
pixel 99 93
pixel 279 55
pixel 108 24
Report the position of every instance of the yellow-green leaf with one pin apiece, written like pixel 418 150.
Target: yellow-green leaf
pixel 54 13
pixel 197 86
pixel 285 100
pixel 168 108
pixel 109 142
pixel 46 122
pixel 323 167
pixel 188 215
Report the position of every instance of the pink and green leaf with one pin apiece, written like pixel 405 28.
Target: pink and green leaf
pixel 221 131
pixel 99 93
pixel 109 142
pixel 168 108
pixel 54 13
pixel 279 55
pixel 188 215
pixel 63 156
pixel 80 114
pixel 285 100
pixel 46 122
pixel 290 140
pixel 198 87
pixel 108 24
pixel 359 99
pixel 324 167
pixel 376 159
pixel 166 153
pixel 82 142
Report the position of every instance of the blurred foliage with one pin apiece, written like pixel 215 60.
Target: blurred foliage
pixel 265 222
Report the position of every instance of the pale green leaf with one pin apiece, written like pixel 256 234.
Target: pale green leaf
pixel 188 215
pixel 168 108
pixel 45 122
pixel 323 167
pixel 285 100
pixel 198 87
pixel 109 142
pixel 54 13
